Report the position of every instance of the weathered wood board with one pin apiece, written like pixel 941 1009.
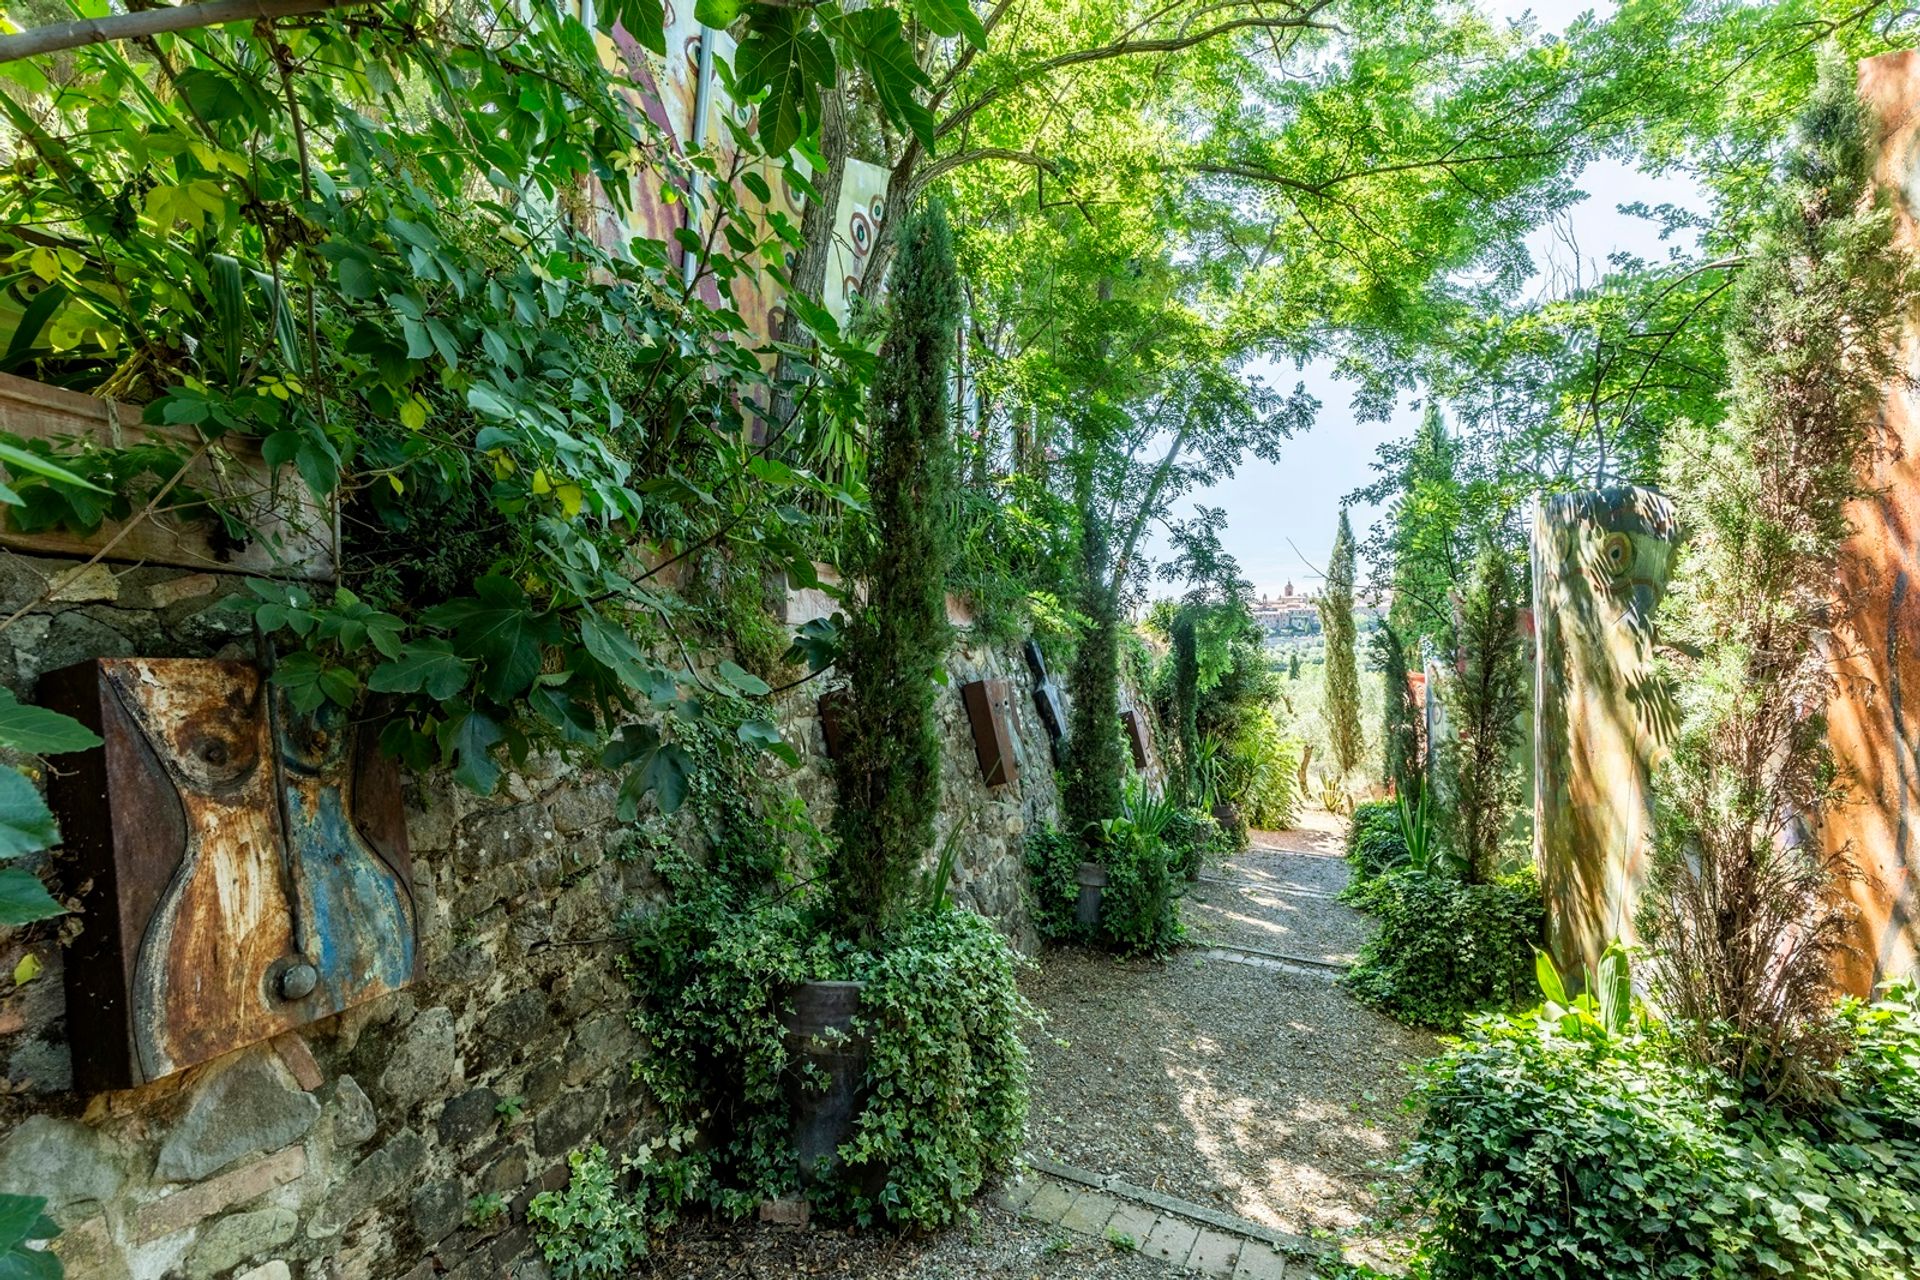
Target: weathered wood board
pixel 294 531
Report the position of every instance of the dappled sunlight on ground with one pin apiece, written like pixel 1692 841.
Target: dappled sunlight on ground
pixel 1269 1094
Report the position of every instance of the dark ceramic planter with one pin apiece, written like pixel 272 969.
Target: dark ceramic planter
pixel 1226 815
pixel 821 1034
pixel 1092 878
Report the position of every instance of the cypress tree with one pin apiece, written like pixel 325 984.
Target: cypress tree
pixel 1293 666
pixel 1483 716
pixel 1342 706
pixel 889 767
pixel 1742 909
pixel 1186 696
pixel 1400 727
pixel 1094 760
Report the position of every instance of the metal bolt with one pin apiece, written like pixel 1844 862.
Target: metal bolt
pixel 298 980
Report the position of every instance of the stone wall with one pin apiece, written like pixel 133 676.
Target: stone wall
pixel 370 1144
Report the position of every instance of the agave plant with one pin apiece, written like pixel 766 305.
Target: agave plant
pixel 1601 1012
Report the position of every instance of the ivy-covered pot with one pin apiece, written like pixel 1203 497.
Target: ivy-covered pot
pixel 827 1071
pixel 1092 878
pixel 1227 815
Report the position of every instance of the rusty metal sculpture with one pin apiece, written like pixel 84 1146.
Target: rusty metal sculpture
pixel 989 706
pixel 244 866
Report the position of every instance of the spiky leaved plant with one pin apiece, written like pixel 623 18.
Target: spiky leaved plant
pixel 1342 704
pixel 1741 908
pixel 889 767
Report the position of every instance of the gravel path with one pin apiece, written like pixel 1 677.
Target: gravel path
pixel 1266 1093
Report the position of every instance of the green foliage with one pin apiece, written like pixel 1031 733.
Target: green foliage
pixel 1747 624
pixel 592 1229
pixel 1595 1146
pixel 1184 678
pixel 1342 705
pixel 1190 837
pixel 712 968
pixel 1146 853
pixel 1376 840
pixel 888 772
pixel 1262 775
pixel 365 243
pixel 1444 950
pixel 26 825
pixel 22 1223
pixel 1479 774
pixel 1400 726
pixel 1094 759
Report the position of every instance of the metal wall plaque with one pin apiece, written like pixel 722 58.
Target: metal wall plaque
pixel 1046 699
pixel 989 706
pixel 244 866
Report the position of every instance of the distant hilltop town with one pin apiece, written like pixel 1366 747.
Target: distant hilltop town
pixel 1288 614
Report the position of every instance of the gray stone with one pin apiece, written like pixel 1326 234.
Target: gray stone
pixel 563 1125
pixel 423 1062
pixel 469 1116
pixel 238 1238
pixel 505 1175
pixel 248 1108
pixel 353 1118
pixel 64 1162
pixel 382 1176
pixel 504 835
pixel 597 1046
pixel 517 1021
pixel 580 805
pixel 438 1208
pixel 45 1064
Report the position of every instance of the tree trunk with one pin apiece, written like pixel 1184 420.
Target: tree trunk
pixel 817 223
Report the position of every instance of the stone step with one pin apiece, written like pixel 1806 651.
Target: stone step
pixel 1282 890
pixel 1190 1236
pixel 1261 958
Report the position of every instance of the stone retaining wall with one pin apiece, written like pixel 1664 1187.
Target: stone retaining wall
pixel 373 1144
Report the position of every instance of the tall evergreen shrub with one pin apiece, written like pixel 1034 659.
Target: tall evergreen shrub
pixel 1186 697
pixel 889 767
pixel 1094 760
pixel 1741 907
pixel 1481 777
pixel 1400 727
pixel 1342 705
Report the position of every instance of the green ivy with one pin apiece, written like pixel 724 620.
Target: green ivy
pixel 1551 1149
pixel 1445 950
pixel 1374 842
pixel 592 1229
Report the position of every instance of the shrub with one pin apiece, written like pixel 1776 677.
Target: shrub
pixel 1190 837
pixel 1445 949
pixel 1549 1151
pixel 591 1229
pixel 1139 908
pixel 1374 840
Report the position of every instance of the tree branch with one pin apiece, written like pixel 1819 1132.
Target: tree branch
pixel 57 36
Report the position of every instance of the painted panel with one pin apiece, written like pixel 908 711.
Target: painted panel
pixel 1874 717
pixel 1601 719
pixel 243 867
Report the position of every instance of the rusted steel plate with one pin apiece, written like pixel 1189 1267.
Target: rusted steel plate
pixel 834 707
pixel 227 896
pixel 295 532
pixel 989 706
pixel 1046 697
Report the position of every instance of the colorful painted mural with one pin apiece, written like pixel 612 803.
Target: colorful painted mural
pixel 667 90
pixel 1874 718
pixel 1600 566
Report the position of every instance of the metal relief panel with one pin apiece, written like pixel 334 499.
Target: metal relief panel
pixel 989 706
pixel 227 895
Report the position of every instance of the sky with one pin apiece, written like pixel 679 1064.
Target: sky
pixel 1281 516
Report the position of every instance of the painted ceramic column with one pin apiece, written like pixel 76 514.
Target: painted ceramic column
pixel 1600 565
